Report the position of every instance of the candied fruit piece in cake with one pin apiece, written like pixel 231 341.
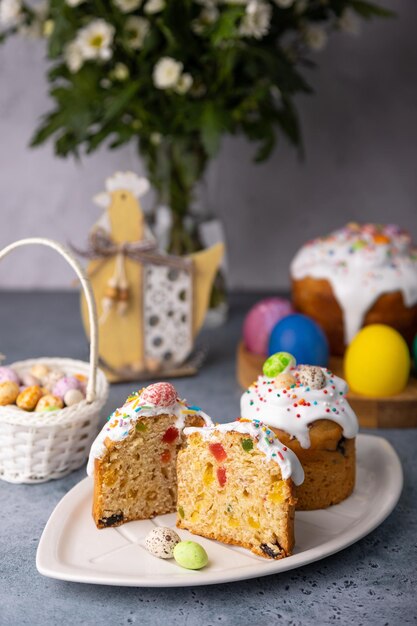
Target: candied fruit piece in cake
pixel 252 502
pixel 218 451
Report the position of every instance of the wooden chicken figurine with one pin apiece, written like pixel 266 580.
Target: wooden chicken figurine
pixel 150 305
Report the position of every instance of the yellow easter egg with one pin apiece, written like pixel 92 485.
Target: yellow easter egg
pixel 377 362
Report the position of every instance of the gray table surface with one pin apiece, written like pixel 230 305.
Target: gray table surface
pixel 371 582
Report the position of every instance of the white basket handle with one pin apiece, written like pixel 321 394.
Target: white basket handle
pixel 91 303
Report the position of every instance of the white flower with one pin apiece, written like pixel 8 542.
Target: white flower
pixel 284 4
pixel 315 37
pixel 74 3
pixel 10 13
pixel 349 22
pixel 48 28
pixel 208 16
pixel 127 6
pixel 95 40
pixel 166 73
pixel 136 28
pixel 154 6
pixel 120 72
pixel 35 28
pixel 184 83
pixel 255 22
pixel 156 139
pixel 73 57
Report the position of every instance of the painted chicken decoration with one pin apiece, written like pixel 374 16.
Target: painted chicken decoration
pixel 151 305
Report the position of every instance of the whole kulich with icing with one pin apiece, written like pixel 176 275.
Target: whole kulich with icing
pixel 133 459
pixel 306 407
pixel 357 275
pixel 236 484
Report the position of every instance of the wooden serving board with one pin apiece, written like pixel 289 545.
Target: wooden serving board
pixel 398 411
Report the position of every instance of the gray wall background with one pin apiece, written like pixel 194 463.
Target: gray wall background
pixel 360 132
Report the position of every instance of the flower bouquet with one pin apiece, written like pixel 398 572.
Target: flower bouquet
pixel 174 76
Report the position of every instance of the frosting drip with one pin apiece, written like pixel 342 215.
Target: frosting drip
pixel 361 263
pixel 294 408
pixel 265 440
pixel 122 420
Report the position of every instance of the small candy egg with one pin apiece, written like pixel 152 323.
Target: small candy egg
pixel 301 336
pixel 48 401
pixel 284 381
pixel 28 380
pixel 29 398
pixel 160 394
pixel 65 384
pixel 277 363
pixel 161 542
pixel 40 370
pixel 51 379
pixel 9 391
pixel 311 376
pixel 260 320
pixel 377 362
pixel 190 554
pixel 7 373
pixel 73 396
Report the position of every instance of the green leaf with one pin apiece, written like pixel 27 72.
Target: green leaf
pixel 50 125
pixel 368 10
pixel 266 148
pixel 211 128
pixel 118 102
pixel 226 25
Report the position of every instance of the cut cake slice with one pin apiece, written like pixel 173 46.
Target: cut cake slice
pixel 236 484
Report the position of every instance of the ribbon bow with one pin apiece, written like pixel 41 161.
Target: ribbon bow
pixel 102 246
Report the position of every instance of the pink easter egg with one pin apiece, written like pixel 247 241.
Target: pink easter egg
pixel 260 321
pixel 160 394
pixel 7 374
pixel 64 384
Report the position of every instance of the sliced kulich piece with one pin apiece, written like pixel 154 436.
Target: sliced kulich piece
pixel 133 460
pixel 236 484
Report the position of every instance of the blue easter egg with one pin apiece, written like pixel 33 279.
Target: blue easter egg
pixel 301 336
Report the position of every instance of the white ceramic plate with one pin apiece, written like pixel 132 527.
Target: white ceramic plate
pixel 71 547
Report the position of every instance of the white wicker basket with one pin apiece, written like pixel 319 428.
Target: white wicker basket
pixel 36 447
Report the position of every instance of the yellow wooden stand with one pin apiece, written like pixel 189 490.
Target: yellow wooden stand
pixel 121 343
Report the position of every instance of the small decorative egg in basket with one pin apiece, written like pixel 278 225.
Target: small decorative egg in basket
pixel 47 429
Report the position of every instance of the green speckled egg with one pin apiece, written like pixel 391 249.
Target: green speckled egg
pixel 190 555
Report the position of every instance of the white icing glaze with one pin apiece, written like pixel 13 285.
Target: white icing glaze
pixel 293 410
pixel 361 263
pixel 265 440
pixel 121 422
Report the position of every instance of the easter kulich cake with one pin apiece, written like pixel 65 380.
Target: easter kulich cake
pixel 236 485
pixel 357 275
pixel 306 407
pixel 133 459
